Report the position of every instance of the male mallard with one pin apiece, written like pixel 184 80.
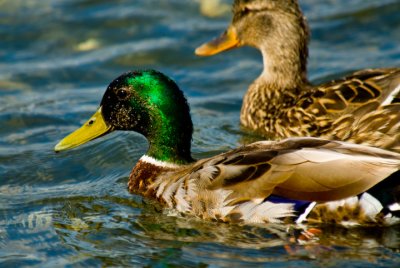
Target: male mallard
pixel 362 108
pixel 295 179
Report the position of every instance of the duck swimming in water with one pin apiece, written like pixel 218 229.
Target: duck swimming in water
pixel 360 108
pixel 294 180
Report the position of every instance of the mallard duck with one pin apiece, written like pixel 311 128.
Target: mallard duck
pixel 297 179
pixel 361 108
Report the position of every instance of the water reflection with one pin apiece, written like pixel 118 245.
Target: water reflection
pixel 120 227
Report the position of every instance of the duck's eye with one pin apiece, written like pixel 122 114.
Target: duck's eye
pixel 245 11
pixel 122 94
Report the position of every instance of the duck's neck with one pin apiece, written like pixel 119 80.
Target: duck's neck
pixel 146 172
pixel 285 51
pixel 170 141
pixel 284 77
pixel 169 149
pixel 283 71
pixel 277 89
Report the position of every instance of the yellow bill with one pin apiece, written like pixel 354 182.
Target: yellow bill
pixel 93 128
pixel 226 41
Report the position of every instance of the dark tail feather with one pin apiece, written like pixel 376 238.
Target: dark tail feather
pixel 388 194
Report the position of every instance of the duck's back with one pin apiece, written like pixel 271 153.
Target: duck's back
pixel 363 107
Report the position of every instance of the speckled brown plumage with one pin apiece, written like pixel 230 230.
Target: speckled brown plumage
pixel 361 108
pixel 350 110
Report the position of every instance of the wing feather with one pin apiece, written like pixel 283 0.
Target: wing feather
pixel 234 185
pixel 305 169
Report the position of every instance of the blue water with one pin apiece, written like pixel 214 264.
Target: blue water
pixel 73 208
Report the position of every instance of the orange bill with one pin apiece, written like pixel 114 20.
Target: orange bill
pixel 226 41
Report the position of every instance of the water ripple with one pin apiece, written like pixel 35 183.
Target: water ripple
pixel 97 56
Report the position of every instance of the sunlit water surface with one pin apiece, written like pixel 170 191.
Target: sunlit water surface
pixel 73 208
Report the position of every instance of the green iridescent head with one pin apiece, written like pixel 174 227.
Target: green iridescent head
pixel 149 103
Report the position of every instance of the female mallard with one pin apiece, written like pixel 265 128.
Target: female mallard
pixel 362 108
pixel 295 179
